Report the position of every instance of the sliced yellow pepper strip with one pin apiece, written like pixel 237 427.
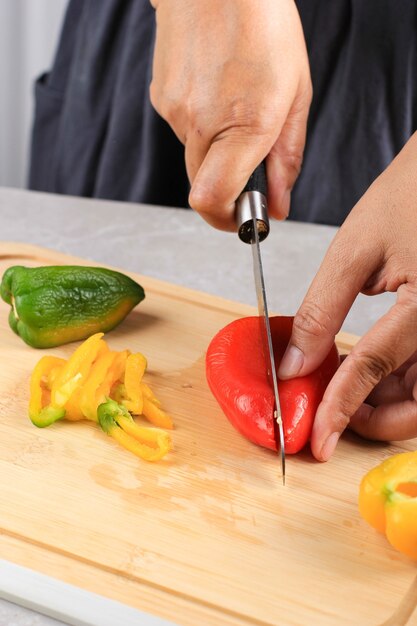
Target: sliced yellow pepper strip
pixel 117 423
pixel 39 412
pixel 115 373
pixel 118 392
pixel 130 443
pixel 149 394
pixel 54 373
pixel 82 388
pixel 87 397
pixel 156 415
pixel 135 368
pixel 72 406
pixel 74 373
pixel 153 437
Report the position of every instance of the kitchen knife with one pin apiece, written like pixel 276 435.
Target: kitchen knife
pixel 253 227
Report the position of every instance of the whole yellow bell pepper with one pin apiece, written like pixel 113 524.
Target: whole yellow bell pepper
pixel 388 501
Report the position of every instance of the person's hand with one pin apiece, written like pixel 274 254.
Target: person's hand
pixel 232 80
pixel 374 251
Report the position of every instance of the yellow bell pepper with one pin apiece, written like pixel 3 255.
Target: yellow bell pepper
pixel 115 374
pixel 87 396
pixel 388 501
pixel 149 394
pixel 40 411
pixel 76 370
pixel 135 368
pixel 150 444
pixel 155 415
pixel 103 386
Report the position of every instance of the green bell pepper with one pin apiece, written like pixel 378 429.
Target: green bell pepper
pixel 54 305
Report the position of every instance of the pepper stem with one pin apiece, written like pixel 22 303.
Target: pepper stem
pixel 149 444
pixel 47 416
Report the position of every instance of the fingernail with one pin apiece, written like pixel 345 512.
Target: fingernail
pixel 291 363
pixel 329 446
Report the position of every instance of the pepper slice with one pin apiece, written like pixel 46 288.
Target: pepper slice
pixel 87 397
pixel 149 394
pixel 155 415
pixel 147 443
pixel 84 387
pixel 388 501
pixel 115 373
pixel 76 370
pixel 136 365
pixel 40 411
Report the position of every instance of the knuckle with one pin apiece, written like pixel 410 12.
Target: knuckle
pixel 162 105
pixel 204 200
pixel 370 368
pixel 311 320
pixel 154 95
pixel 166 103
pixel 345 408
pixel 169 110
pixel 407 292
pixel 340 414
pixel 294 161
pixel 254 117
pixel 341 419
pixel 308 92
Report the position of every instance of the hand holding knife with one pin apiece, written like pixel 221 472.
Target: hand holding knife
pixel 253 228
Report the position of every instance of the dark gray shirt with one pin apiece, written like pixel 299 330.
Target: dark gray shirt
pixel 96 134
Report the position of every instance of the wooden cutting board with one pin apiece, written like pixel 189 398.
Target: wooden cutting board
pixel 208 535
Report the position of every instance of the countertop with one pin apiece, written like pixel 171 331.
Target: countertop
pixel 175 245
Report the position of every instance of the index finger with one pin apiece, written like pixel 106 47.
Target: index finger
pixel 382 350
pixel 346 267
pixel 219 175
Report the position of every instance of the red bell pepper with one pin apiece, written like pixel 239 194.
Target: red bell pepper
pixel 236 374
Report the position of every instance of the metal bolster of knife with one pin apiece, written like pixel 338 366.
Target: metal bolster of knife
pixel 251 207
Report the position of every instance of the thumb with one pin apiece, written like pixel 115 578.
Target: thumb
pixel 223 173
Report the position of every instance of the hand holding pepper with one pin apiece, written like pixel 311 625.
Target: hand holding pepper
pixel 375 250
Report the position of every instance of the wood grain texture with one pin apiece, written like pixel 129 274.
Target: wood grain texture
pixel 208 535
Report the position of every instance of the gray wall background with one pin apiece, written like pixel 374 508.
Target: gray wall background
pixel 29 31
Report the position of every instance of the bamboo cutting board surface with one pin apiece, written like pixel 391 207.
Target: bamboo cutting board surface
pixel 208 535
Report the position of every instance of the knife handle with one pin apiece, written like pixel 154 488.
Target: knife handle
pixel 251 205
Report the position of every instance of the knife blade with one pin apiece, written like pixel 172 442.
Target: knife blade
pixel 253 227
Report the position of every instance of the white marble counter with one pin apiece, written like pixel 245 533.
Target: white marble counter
pixel 175 245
